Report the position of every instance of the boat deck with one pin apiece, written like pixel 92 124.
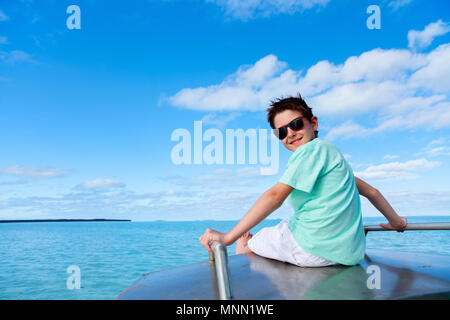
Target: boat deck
pixel 402 275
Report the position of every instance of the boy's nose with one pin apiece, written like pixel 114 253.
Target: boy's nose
pixel 290 132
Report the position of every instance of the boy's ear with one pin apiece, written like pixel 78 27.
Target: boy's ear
pixel 315 122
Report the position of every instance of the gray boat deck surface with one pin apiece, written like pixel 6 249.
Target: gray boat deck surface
pixel 403 275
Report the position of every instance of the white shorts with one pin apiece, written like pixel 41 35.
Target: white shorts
pixel 278 243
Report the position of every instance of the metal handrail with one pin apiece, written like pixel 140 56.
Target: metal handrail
pixel 413 226
pixel 223 276
pixel 222 270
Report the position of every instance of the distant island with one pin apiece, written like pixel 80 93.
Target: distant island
pixel 63 220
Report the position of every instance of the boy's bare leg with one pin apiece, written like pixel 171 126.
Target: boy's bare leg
pixel 242 243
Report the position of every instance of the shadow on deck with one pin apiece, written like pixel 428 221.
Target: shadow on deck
pixel 403 275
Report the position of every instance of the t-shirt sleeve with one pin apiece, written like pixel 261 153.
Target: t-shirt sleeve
pixel 304 168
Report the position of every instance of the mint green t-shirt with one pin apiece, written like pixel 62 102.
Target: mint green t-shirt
pixel 327 219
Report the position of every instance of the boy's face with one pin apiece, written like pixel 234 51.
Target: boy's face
pixel 295 139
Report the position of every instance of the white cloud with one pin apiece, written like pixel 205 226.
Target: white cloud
pixel 397 170
pixel 348 129
pixel 437 147
pixel 434 76
pixel 100 184
pixel 358 98
pixel 248 88
pixel 438 141
pixel 390 156
pixel 3 16
pixel 3 40
pixel 422 39
pixel 219 121
pixel 15 56
pixel 409 113
pixel 167 205
pixel 424 202
pixel 396 4
pixel 163 205
pixel 249 9
pixel 31 172
pixel 400 88
pixel 223 178
pixel 412 203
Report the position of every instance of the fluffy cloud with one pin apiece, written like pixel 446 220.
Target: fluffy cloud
pixel 348 129
pixel 437 147
pixel 396 4
pixel 350 86
pixel 424 202
pixel 100 184
pixel 434 76
pixel 422 39
pixel 218 121
pixel 249 9
pixel 397 170
pixel 412 203
pixel 400 88
pixel 390 156
pixel 162 205
pixel 15 56
pixel 31 172
pixel 248 88
pixel 222 178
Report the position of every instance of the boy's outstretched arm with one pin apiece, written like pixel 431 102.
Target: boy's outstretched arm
pixel 396 222
pixel 271 200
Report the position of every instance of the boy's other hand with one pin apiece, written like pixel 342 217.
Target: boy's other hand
pixel 209 236
pixel 398 225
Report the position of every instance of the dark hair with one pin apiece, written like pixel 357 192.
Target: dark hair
pixel 290 103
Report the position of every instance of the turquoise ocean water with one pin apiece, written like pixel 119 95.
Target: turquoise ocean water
pixel 34 257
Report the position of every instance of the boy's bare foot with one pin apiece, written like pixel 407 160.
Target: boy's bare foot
pixel 241 245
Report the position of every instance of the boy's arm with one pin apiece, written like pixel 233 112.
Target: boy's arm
pixel 271 200
pixel 376 198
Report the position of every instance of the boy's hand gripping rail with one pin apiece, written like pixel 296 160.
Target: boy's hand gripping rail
pixel 413 226
pixel 220 258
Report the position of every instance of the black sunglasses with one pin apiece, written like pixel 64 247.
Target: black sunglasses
pixel 296 124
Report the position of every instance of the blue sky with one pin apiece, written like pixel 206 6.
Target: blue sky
pixel 86 116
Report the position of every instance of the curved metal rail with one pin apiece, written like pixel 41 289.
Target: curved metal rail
pixel 222 271
pixel 413 226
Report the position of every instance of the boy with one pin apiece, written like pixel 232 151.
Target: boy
pixel 326 228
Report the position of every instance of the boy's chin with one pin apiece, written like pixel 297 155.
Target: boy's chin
pixel 292 147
